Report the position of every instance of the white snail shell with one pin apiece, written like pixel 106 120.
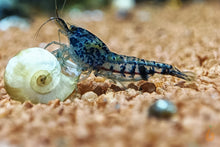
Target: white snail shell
pixel 35 74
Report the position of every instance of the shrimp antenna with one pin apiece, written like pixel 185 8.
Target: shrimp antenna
pixel 37 33
pixel 56 11
pixel 64 3
pixel 52 18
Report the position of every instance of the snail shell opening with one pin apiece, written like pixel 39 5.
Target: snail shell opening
pixel 42 81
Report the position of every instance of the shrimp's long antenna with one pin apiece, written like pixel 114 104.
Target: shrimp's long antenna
pixel 60 22
pixel 64 3
pixel 57 15
pixel 37 33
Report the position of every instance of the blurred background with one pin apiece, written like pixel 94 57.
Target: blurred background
pixel 18 13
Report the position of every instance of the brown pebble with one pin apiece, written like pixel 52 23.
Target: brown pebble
pixel 132 86
pixel 90 96
pixel 147 87
pixel 116 88
pixel 27 105
pixel 84 87
pixel 98 87
pixel 60 112
pixel 180 84
pixel 100 90
pixel 54 103
pixel 202 59
pixel 102 102
pixel 183 84
pixel 192 86
pixel 3 91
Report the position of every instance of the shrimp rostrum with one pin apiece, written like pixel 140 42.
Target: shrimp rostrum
pixel 91 54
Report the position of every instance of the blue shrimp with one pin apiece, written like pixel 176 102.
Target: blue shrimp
pixel 91 54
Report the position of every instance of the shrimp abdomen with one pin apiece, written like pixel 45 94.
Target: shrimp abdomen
pixel 125 68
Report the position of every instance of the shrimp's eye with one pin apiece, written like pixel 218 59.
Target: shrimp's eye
pixel 72 28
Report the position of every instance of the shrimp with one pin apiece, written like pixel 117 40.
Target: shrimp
pixel 91 54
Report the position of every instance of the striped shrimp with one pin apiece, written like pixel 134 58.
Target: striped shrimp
pixel 91 54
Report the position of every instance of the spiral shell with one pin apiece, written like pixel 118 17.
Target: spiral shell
pixel 35 74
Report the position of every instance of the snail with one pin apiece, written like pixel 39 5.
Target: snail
pixel 162 108
pixel 35 74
